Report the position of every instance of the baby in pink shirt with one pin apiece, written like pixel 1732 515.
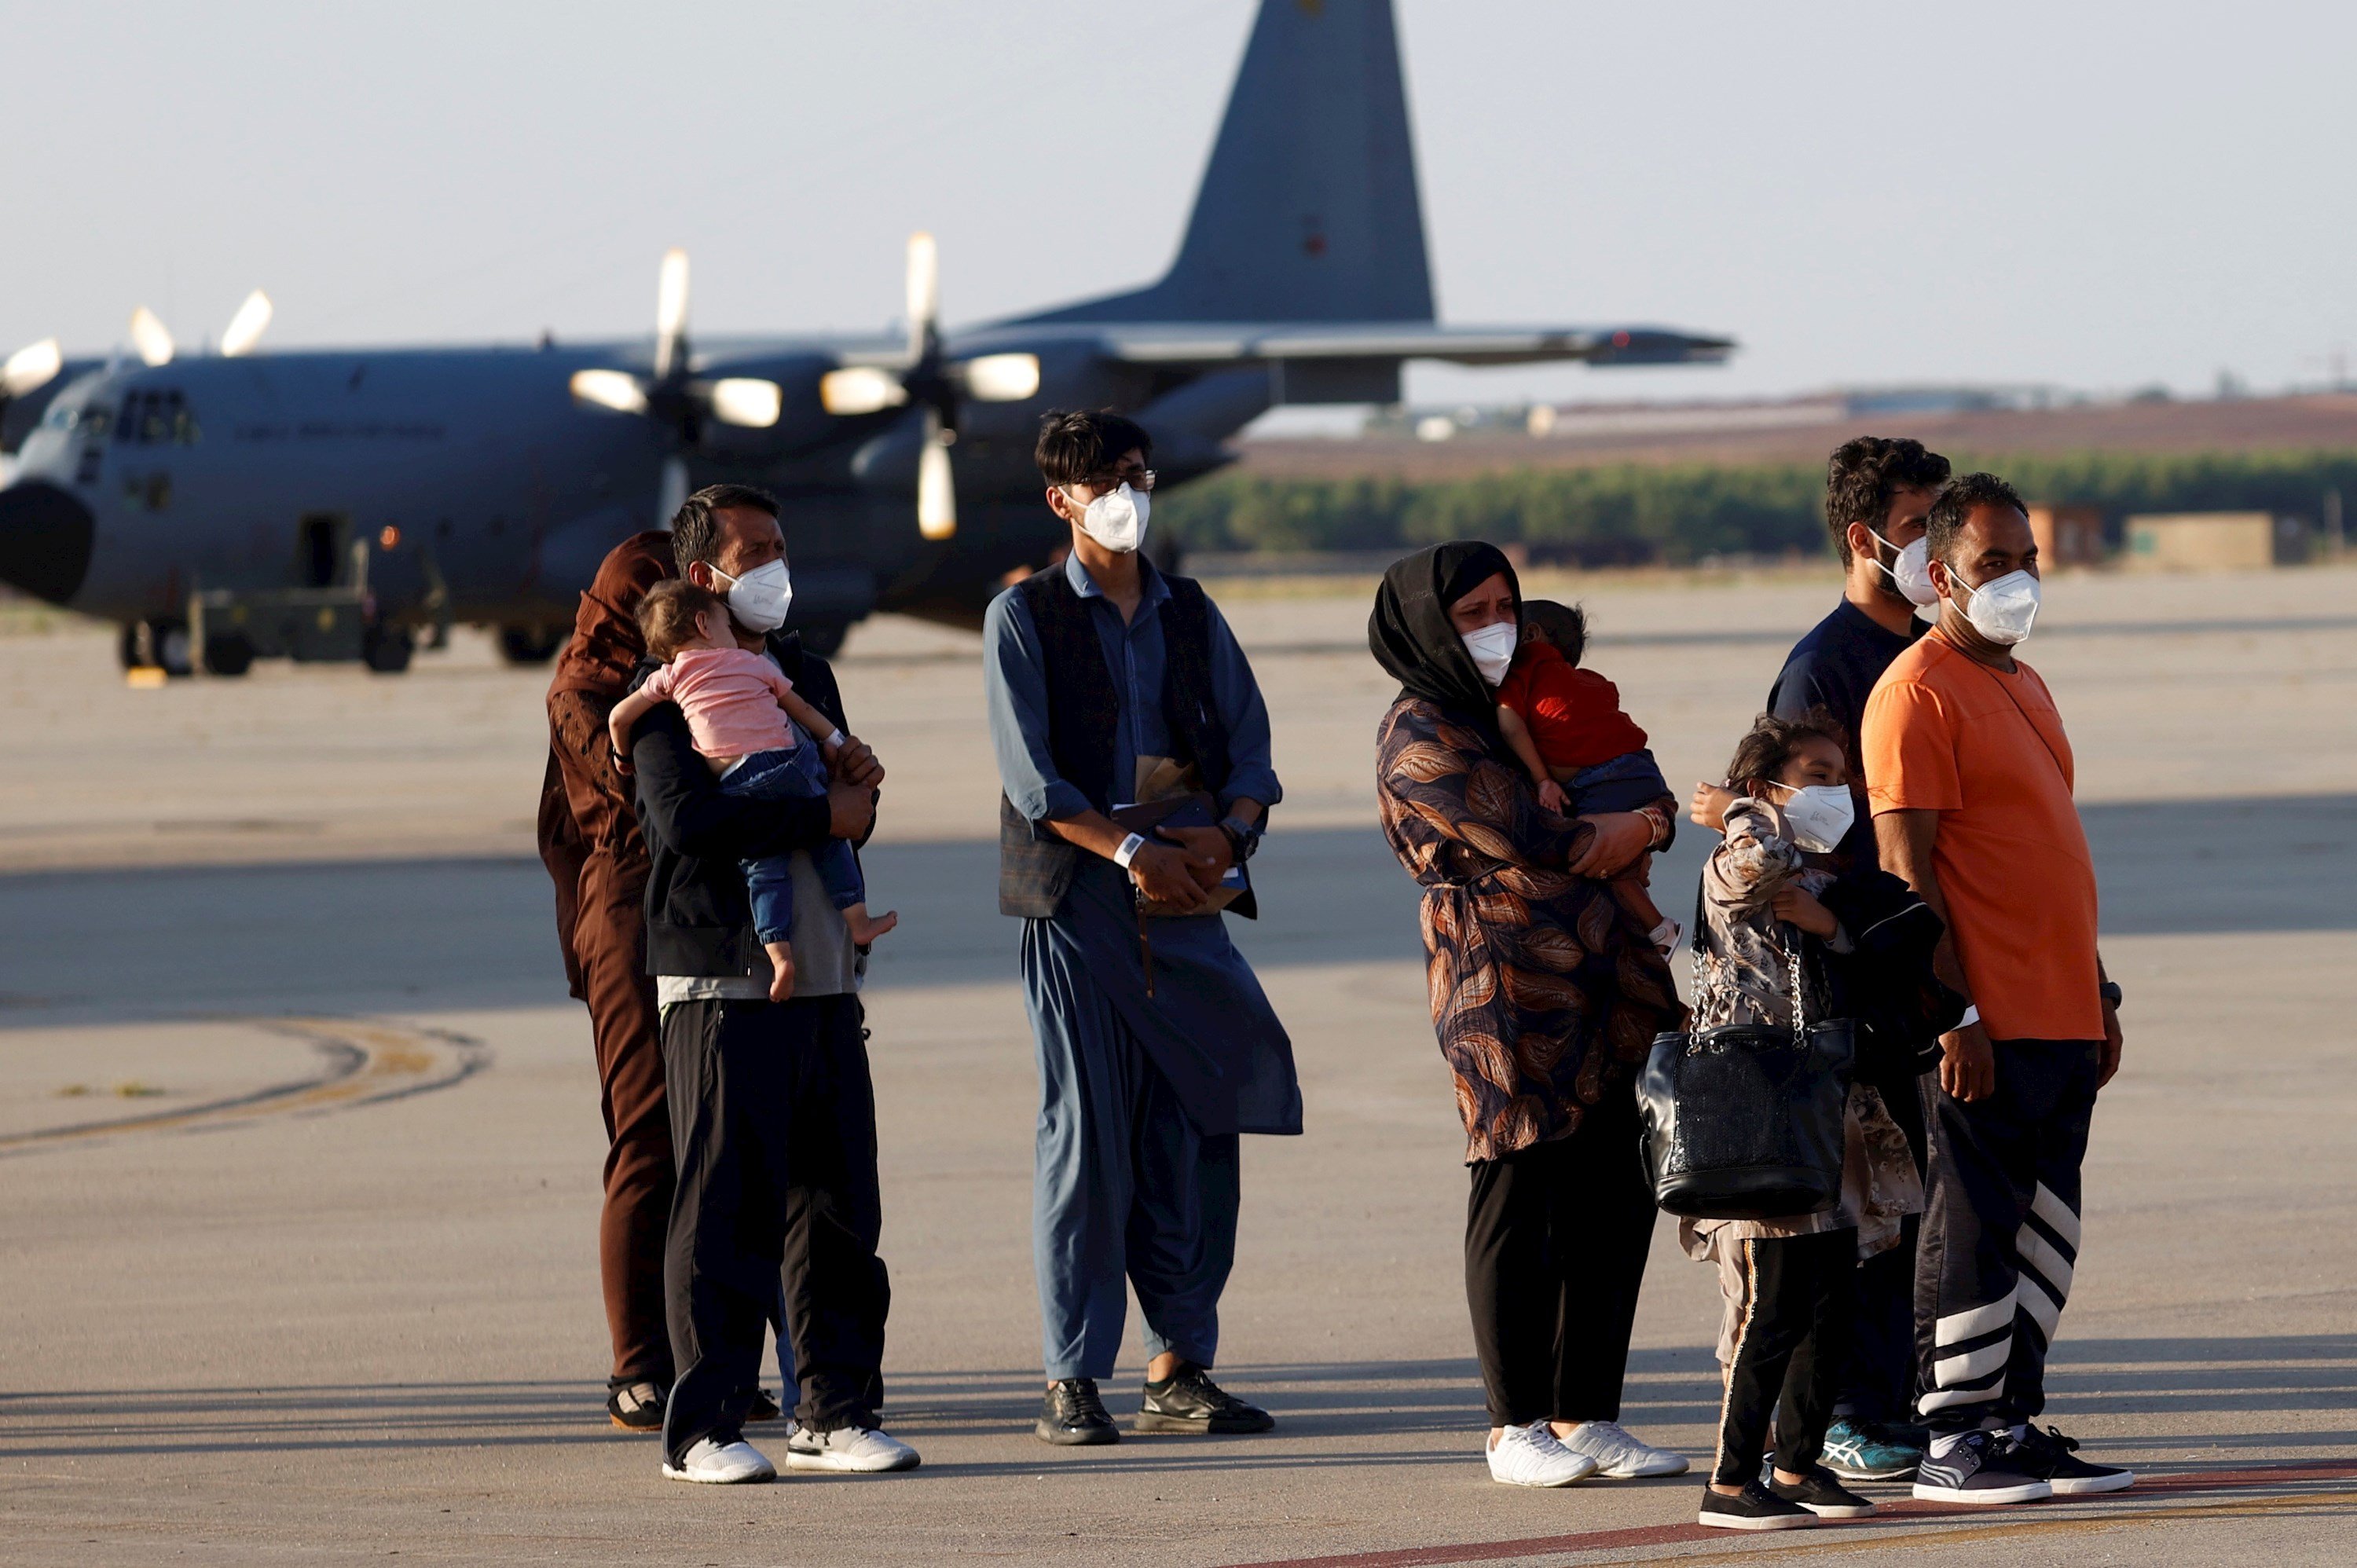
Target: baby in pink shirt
pixel 737 705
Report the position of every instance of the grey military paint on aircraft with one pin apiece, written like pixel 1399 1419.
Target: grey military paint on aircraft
pixel 1301 279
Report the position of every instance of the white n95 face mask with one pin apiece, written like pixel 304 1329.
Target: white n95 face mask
pixel 1912 575
pixel 1117 520
pixel 1817 817
pixel 1493 649
pixel 2003 611
pixel 759 599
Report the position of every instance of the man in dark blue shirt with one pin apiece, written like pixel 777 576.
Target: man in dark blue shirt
pixel 1878 494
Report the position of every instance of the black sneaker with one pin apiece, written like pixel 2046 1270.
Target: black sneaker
pixel 1987 1467
pixel 2055 1456
pixel 1072 1416
pixel 637 1407
pixel 763 1407
pixel 1823 1495
pixel 1754 1507
pixel 1188 1401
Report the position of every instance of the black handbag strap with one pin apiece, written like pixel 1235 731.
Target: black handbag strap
pixel 1700 947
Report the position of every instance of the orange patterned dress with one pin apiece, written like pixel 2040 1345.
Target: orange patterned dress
pixel 1544 997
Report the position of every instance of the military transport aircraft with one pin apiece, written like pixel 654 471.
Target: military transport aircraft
pixel 340 503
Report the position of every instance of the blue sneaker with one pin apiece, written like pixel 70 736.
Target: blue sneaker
pixel 1859 1451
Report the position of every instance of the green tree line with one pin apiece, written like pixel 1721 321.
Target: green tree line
pixel 1632 512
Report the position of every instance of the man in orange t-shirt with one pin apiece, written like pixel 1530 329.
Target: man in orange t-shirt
pixel 1970 776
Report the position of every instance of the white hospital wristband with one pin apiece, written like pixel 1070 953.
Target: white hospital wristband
pixel 1128 851
pixel 1972 1017
pixel 837 738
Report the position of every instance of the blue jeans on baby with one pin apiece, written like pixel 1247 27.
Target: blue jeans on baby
pixel 1629 781
pixel 799 774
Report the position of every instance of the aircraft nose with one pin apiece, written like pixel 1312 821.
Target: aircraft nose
pixel 46 537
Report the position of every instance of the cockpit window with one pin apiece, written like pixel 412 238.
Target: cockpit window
pixel 157 419
pixel 92 420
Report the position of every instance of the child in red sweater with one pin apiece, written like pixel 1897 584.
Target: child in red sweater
pixel 1583 754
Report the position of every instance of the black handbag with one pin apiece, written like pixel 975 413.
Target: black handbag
pixel 1745 1121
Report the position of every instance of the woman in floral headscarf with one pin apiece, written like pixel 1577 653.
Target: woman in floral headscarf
pixel 1545 1001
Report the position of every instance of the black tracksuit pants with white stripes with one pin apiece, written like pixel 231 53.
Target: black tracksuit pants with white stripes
pixel 2000 1233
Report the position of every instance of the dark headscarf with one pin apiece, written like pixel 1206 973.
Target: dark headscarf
pixel 1413 638
pixel 607 644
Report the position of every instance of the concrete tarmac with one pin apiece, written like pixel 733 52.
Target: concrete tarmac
pixel 300 1139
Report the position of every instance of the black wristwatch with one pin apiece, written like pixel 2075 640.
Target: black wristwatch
pixel 1243 839
pixel 2110 992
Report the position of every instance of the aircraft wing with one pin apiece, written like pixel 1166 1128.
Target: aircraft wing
pixel 1208 346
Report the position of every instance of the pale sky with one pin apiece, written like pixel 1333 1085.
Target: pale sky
pixel 2098 196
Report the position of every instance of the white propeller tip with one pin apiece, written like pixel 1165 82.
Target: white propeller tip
pixel 936 490
pixel 924 278
pixel 246 328
pixel 151 338
pixel 31 368
pixel 1003 378
pixel 745 401
pixel 616 389
pixel 859 388
pixel 671 313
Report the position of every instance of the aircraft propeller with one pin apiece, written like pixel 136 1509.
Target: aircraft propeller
pixel 935 383
pixel 681 401
pixel 671 393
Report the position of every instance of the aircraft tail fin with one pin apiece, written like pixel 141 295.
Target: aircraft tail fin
pixel 1308 209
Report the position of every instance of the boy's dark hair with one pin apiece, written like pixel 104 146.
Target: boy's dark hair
pixel 668 614
pixel 1078 443
pixel 1562 626
pixel 1956 504
pixel 696 535
pixel 1863 475
pixel 1763 753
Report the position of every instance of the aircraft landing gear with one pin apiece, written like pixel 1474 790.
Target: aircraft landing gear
pixel 532 644
pixel 156 645
pixel 228 653
pixel 386 649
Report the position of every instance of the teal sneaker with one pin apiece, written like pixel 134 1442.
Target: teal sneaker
pixel 1857 1451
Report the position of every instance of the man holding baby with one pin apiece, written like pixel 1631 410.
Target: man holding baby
pixel 772 1110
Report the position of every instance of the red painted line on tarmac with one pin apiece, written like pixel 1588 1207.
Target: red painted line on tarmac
pixel 1907 1509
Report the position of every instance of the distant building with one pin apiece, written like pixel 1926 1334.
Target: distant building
pixel 2068 535
pixel 2214 541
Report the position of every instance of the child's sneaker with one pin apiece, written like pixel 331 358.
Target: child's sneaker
pixel 1754 1507
pixel 1822 1496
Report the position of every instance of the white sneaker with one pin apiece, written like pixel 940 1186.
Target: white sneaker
pixel 863 1449
pixel 721 1464
pixel 1619 1456
pixel 1533 1456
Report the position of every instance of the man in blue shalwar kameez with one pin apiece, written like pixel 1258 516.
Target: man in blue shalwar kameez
pixel 1112 684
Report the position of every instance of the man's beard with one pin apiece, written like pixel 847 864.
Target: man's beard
pixel 1885 579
